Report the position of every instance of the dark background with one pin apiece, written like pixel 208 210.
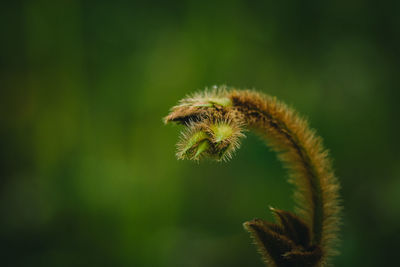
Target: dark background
pixel 88 171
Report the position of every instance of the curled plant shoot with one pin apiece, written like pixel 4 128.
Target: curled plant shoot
pixel 215 121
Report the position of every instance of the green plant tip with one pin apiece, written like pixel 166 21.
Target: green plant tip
pixel 223 101
pixel 196 138
pixel 211 102
pixel 221 132
pixel 202 147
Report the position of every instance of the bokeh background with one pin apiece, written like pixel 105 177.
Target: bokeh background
pixel 88 171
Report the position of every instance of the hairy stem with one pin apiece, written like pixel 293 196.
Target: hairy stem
pixel 265 116
pixel 219 116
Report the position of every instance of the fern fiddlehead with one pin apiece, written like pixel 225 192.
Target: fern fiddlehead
pixel 215 121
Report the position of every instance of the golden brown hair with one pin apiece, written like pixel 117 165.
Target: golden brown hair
pixel 215 121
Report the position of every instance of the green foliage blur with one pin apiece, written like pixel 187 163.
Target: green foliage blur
pixel 88 171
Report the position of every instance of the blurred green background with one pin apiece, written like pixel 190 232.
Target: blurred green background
pixel 88 171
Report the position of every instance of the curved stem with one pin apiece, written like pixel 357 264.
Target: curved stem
pixel 218 118
pixel 302 151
